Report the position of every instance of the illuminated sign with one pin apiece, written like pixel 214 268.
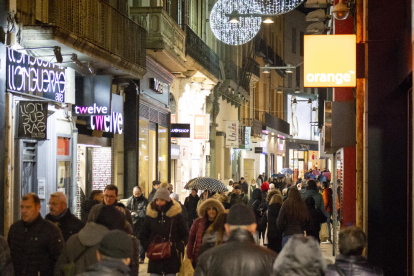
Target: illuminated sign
pixel 180 130
pixel 32 120
pixel 27 74
pixel 175 151
pixel 157 85
pixel 329 61
pixel 82 110
pixel 201 126
pixel 110 123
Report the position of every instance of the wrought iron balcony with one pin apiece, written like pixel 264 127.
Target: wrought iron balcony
pixel 165 37
pixel 231 71
pixel 93 28
pixel 201 53
pixel 253 66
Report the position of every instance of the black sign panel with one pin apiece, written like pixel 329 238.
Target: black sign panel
pixel 180 131
pixel 258 150
pixel 32 120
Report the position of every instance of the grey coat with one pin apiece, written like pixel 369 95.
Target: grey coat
pixel 90 236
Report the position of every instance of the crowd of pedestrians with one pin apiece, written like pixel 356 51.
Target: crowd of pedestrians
pixel 219 233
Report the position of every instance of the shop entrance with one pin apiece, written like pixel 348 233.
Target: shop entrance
pixel 152 155
pixel 249 170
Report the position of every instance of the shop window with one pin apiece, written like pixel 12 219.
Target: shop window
pixel 63 146
pixel 143 157
pixel 163 154
pixel 63 176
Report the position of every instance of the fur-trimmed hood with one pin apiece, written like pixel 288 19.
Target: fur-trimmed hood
pixel 210 202
pixel 174 209
pixel 271 193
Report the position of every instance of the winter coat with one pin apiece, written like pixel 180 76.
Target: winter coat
pixel 107 268
pixel 190 204
pixel 35 246
pixel 245 187
pixel 289 225
pixel 328 200
pixel 69 224
pixel 238 199
pixel 255 202
pixel 195 239
pixel 158 223
pixel 239 256
pixel 318 200
pixel 274 235
pixel 137 205
pixel 209 241
pixel 152 194
pixel 93 214
pixel 313 225
pixel 353 266
pixel 6 265
pixel 89 237
pixel 86 208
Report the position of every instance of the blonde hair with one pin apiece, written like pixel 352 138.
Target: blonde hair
pixel 277 198
pixel 164 185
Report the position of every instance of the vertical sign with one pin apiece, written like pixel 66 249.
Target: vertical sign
pixel 201 126
pixel 32 120
pixel 247 133
pixel 232 132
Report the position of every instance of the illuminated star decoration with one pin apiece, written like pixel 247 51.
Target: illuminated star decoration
pixel 278 6
pixel 235 33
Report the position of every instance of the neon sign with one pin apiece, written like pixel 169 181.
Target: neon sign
pixel 180 131
pixel 109 123
pixel 91 109
pixel 27 74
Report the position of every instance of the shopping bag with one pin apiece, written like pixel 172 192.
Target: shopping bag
pixel 324 234
pixel 186 268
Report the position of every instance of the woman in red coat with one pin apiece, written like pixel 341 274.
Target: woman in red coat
pixel 207 213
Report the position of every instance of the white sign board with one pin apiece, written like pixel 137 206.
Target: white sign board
pixel 232 134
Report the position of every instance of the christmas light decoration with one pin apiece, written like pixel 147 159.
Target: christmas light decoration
pixel 235 33
pixel 277 6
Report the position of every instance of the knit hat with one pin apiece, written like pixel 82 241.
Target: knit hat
pixel 162 193
pixel 116 244
pixel 240 214
pixel 265 186
pixel 174 196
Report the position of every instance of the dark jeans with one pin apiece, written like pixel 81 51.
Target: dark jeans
pixel 141 252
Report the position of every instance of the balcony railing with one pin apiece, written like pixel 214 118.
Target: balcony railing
pixel 256 125
pixel 92 20
pixel 231 71
pixel 201 53
pixel 163 31
pixel 252 65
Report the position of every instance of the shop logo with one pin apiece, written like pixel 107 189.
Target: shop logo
pixel 109 123
pixel 91 109
pixel 157 86
pixel 338 78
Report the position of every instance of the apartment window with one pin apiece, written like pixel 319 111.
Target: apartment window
pixel 294 40
pixel 301 43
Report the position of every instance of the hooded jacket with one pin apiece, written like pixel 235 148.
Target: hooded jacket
pixel 239 256
pixel 255 202
pixel 89 237
pixel 68 224
pixel 195 239
pixel 353 266
pixel 159 223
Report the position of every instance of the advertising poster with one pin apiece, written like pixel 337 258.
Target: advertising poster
pixel 232 132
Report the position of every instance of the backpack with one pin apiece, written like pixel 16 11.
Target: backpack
pixel 69 269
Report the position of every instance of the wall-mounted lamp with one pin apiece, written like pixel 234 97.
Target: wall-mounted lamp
pixel 342 10
pixel 74 58
pixel 288 68
pixel 279 90
pixel 297 89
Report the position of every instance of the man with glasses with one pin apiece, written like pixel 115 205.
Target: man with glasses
pixel 110 198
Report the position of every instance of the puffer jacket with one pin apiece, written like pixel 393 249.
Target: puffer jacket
pixel 68 224
pixel 139 207
pixel 89 237
pixel 35 246
pixel 353 266
pixel 107 268
pixel 158 223
pixel 195 239
pixel 318 200
pixel 246 258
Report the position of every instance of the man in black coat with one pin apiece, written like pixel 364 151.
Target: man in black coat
pixel 244 185
pixel 96 197
pixel 137 204
pixel 251 259
pixel 190 204
pixel 61 216
pixel 155 185
pixel 35 244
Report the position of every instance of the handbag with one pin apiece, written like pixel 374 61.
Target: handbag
pixel 186 268
pixel 161 250
pixel 69 269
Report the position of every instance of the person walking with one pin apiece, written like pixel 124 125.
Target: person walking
pixel 6 265
pixel 164 220
pixel 35 244
pixel 190 203
pixel 255 203
pixel 215 234
pixel 238 196
pixel 316 217
pixel 240 255
pixel 61 216
pixel 155 185
pixel 259 180
pixel 113 255
pixel 268 221
pixel 207 213
pixel 327 196
pixel 293 216
pixel 137 205
pixel 312 190
pixel 244 185
pixel 352 241
pixel 300 256
pixel 83 245
pixel 95 197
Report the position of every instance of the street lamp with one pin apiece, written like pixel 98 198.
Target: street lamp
pixel 235 15
pixel 289 68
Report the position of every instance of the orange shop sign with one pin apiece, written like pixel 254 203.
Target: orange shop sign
pixel 329 61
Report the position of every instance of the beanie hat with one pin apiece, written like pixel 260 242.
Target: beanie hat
pixel 116 244
pixel 240 214
pixel 110 217
pixel 174 196
pixel 265 186
pixel 238 187
pixel 162 193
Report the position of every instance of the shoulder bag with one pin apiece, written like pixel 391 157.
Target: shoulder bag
pixel 160 250
pixel 69 269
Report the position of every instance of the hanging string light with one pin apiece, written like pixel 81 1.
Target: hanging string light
pixel 278 6
pixel 235 33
